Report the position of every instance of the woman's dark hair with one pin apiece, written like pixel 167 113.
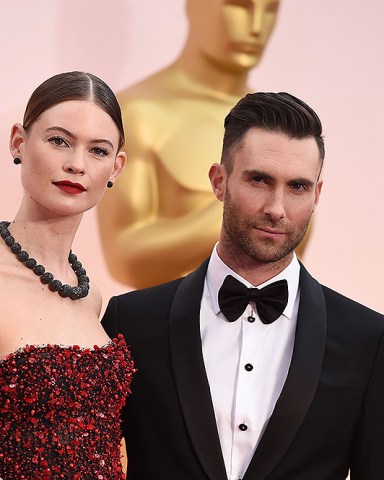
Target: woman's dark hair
pixel 274 112
pixel 73 86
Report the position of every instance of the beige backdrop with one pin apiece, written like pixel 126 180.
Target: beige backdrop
pixel 328 53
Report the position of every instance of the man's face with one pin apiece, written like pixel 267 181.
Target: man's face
pixel 269 196
pixel 232 33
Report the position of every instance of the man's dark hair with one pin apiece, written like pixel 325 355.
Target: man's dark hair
pixel 273 112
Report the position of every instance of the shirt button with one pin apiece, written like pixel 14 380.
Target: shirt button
pixel 248 367
pixel 243 427
pixel 251 319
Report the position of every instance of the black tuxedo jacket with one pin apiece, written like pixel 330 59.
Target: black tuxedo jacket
pixel 328 419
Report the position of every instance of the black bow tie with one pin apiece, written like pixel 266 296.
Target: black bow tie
pixel 270 301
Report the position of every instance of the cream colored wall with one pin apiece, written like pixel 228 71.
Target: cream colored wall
pixel 328 53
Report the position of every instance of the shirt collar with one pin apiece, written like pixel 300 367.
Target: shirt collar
pixel 218 270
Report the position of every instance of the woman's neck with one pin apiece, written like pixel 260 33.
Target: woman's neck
pixel 48 240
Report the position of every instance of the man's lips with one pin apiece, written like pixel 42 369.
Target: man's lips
pixel 270 231
pixel 70 187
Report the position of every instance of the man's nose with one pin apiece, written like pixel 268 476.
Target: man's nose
pixel 275 205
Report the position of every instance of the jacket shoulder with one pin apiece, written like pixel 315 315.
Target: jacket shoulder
pixel 352 316
pixel 340 309
pixel 149 298
pixel 339 300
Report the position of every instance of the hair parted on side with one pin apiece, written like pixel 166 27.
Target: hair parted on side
pixel 274 112
pixel 73 86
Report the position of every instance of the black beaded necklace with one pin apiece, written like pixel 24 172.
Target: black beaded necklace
pixel 74 293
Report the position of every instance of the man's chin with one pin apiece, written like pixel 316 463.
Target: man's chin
pixel 269 256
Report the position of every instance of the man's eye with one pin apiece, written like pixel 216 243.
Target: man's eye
pixel 258 179
pixel 298 186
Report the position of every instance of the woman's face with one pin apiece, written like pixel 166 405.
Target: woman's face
pixel 68 155
pixel 232 33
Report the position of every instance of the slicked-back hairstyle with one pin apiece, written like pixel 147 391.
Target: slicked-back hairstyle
pixel 273 112
pixel 73 86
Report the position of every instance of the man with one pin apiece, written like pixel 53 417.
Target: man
pixel 280 382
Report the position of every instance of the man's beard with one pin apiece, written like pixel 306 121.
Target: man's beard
pixel 240 231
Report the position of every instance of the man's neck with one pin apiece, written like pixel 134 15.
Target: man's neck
pixel 254 271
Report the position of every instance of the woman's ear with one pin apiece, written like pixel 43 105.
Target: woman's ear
pixel 118 166
pixel 16 140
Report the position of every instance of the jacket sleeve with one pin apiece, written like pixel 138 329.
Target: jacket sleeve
pixel 367 456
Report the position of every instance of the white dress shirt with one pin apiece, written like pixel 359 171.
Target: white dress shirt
pixel 246 363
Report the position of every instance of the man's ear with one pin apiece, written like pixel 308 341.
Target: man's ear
pixel 318 187
pixel 218 178
pixel 16 140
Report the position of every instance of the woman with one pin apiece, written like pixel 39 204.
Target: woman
pixel 62 379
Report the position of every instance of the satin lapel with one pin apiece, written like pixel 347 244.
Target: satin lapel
pixel 190 376
pixel 300 386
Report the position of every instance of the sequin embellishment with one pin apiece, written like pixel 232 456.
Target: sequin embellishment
pixel 60 411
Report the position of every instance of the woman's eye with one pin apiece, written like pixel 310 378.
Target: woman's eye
pixel 58 141
pixel 100 152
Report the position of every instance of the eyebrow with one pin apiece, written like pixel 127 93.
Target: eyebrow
pixel 71 135
pixel 257 173
pixel 267 176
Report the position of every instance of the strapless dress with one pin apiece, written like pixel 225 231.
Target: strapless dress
pixel 60 411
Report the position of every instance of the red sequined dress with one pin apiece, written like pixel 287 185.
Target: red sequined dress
pixel 60 411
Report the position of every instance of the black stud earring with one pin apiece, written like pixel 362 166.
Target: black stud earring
pixel 17 161
pixel 109 184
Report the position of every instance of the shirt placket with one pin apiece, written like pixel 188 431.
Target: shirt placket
pixel 243 426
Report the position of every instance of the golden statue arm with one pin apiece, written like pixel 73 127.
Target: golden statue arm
pixel 143 247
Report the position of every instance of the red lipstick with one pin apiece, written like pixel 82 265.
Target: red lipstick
pixel 70 187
